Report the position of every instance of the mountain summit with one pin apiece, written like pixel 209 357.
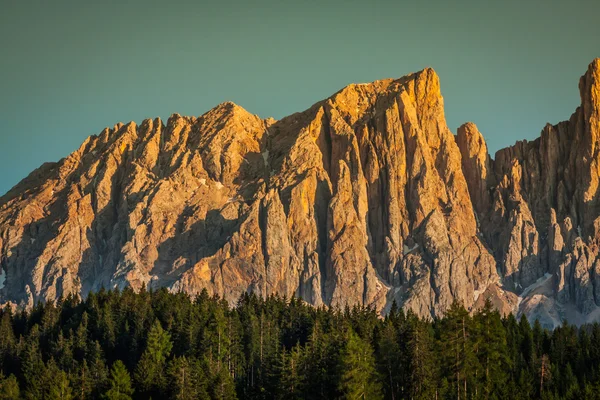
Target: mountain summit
pixel 365 198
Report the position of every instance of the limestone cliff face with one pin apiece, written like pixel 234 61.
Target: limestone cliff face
pixel 540 213
pixel 365 198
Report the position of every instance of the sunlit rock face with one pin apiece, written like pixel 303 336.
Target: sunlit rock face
pixel 365 198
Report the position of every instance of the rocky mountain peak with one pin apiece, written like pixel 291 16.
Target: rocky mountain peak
pixel 476 165
pixel 588 84
pixel 365 198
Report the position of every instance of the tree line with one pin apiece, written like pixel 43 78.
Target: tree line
pixel 155 344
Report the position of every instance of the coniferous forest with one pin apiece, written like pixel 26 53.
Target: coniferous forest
pixel 123 345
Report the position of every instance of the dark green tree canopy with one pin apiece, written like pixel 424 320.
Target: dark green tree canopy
pixel 155 344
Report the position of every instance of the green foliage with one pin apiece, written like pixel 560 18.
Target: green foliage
pixel 120 383
pixel 421 361
pixel 187 379
pixel 458 350
pixel 391 358
pixel 33 367
pixel 9 388
pixel 359 377
pixel 491 352
pixel 150 369
pixel 222 386
pixel 57 384
pixel 177 347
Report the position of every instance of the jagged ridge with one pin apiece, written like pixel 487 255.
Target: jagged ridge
pixel 365 198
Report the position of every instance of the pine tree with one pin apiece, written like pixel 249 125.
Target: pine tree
pixel 492 350
pixel 62 350
pixel 390 359
pixel 222 386
pixel 98 369
pixel 120 383
pixel 591 391
pixel 291 374
pixel 595 352
pixel 584 357
pixel 457 346
pixel 422 376
pixel 9 388
pixel 537 335
pixel 187 380
pixel 527 345
pixel 322 354
pixel 33 367
pixel 215 337
pixel 513 342
pixel 107 327
pixel 570 386
pixel 82 382
pixel 150 370
pixel 359 376
pixel 57 384
pixel 80 343
pixel 524 387
pixel 7 336
pixel 251 340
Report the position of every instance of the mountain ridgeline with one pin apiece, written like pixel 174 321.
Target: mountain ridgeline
pixel 366 198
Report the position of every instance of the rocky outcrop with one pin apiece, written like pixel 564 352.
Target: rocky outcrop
pixel 476 166
pixel 543 214
pixel 365 198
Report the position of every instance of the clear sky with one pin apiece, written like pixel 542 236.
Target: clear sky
pixel 70 68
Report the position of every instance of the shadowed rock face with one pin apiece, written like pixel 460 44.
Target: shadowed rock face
pixel 365 198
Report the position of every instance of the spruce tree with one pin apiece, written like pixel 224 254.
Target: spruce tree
pixel 526 345
pixel 81 335
pixel 57 384
pixel 222 386
pixel 7 337
pixel 187 380
pixel 150 370
pixel 390 359
pixel 422 367
pixel 570 385
pixel 291 382
pixel 321 355
pixel 9 388
pixel 359 377
pixel 457 339
pixel 33 368
pixel 492 350
pixel 595 352
pixel 98 370
pixel 82 381
pixel 120 383
pixel 524 388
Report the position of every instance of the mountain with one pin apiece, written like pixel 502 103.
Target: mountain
pixel 365 198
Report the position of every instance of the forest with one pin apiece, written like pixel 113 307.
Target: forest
pixel 162 345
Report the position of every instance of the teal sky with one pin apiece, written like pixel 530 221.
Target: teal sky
pixel 70 68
